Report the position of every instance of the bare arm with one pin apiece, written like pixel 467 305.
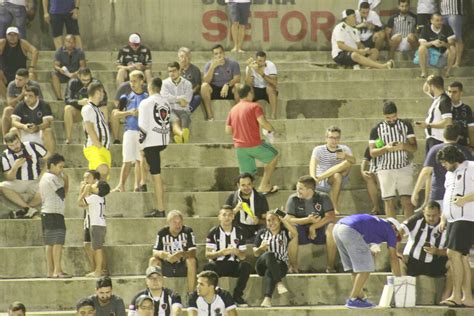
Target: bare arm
pixel 425 173
pixel 213 254
pixel 410 146
pixel 10 175
pixel 232 312
pixel 16 123
pixel 313 163
pixel 176 310
pixel 443 123
pixel 46 123
pixel 265 124
pixel 271 80
pixel 228 129
pixel 300 221
pixel 394 263
pixel 28 48
pixel 329 217
pixel 13 101
pixel 192 312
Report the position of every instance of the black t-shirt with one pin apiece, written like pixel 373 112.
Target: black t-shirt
pixel 443 35
pixel 222 303
pixel 260 207
pixel 462 116
pixel 128 56
pixel 34 115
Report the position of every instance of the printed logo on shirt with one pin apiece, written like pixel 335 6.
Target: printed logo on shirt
pixel 317 207
pixel 164 306
pixel 459 177
pixel 39 114
pixel 161 115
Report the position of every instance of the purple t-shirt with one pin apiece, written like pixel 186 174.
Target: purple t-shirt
pixel 61 6
pixel 225 73
pixel 439 173
pixel 373 229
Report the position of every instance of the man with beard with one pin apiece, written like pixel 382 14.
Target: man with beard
pixel 105 302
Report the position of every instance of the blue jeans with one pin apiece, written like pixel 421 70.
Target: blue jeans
pixel 10 12
pixel 195 102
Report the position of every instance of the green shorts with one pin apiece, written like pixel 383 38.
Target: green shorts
pixel 246 157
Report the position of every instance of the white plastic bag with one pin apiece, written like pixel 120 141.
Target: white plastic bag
pixel 404 289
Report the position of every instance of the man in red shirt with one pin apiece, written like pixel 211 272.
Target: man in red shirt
pixel 243 122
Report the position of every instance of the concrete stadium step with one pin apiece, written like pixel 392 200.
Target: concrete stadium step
pixel 304 289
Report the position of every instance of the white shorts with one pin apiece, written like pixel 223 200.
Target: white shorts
pixel 131 147
pixel 396 180
pixel 404 46
pixel 29 137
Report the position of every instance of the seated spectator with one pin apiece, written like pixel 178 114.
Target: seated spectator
pixel 68 59
pixel 226 255
pixel 462 114
pixel 166 301
pixel 53 187
pixel 347 49
pixel 33 118
pixel 261 74
pixel 250 207
pixel 221 80
pixel 239 12
pixel 209 298
pixel 85 307
pixel 179 93
pixel 14 52
pixel 16 94
pixel 424 10
pixel 331 164
pixel 401 30
pixel 370 27
pixel 374 4
pixel 271 248
pixel 76 98
pixel 105 302
pixel 16 309
pixel 452 12
pixel 133 56
pixel 128 110
pixel 21 164
pixel 145 306
pixel 368 171
pixel 175 250
pixel 313 215
pixel 60 14
pixel 436 47
pixel 192 73
pixel 17 10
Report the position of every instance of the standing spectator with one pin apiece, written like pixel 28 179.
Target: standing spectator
pixel 209 299
pixel 192 73
pixel 154 116
pixel 68 59
pixel 225 249
pixel 133 56
pixel 32 118
pixel 458 219
pixel 331 164
pixel 128 110
pixel 391 141
pixel 92 196
pixel 17 10
pixel 354 236
pixel 175 250
pixel 261 74
pixel 105 302
pixel 85 307
pixel 271 248
pixel 53 188
pixel 239 12
pixel 16 94
pixel 452 12
pixel 21 164
pixel 368 171
pixel 60 14
pixel 432 176
pixel 243 122
pixel 221 79
pixel 313 215
pixel 370 26
pixel 16 309
pixel 96 149
pixel 347 49
pixel 179 93
pixel 401 30
pixel 440 113
pixel 436 46
pixel 76 98
pixel 462 114
pixel 424 10
pixel 250 207
pixel 14 52
pixel 166 301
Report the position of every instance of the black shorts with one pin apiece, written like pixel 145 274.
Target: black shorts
pixel 460 235
pixel 177 269
pixel 260 94
pixel 422 20
pixel 436 268
pixel 216 93
pixel 54 228
pixel 368 42
pixel 152 156
pixel 58 21
pixel 344 59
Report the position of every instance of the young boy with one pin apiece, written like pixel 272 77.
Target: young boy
pixel 93 196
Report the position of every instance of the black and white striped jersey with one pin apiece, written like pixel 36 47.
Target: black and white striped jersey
pixel 220 305
pixel 92 114
pixel 451 7
pixel 403 24
pixel 218 239
pixel 277 244
pixel 184 241
pixel 31 169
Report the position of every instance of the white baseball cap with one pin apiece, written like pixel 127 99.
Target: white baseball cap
pixel 12 29
pixel 134 39
pixel 394 222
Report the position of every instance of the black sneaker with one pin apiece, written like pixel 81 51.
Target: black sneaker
pixel 116 142
pixel 239 300
pixel 156 213
pixel 17 214
pixel 143 188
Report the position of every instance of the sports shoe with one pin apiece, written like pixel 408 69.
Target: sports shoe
pixel 185 135
pixel 178 139
pixel 281 289
pixel 156 213
pixel 17 214
pixel 359 303
pixel 31 212
pixel 239 300
pixel 116 142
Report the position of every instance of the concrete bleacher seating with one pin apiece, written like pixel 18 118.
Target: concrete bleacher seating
pixel 199 176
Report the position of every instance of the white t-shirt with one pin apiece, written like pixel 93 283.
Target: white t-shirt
pixel 373 18
pixel 344 33
pixel 96 209
pixel 154 121
pixel 426 7
pixel 51 202
pixel 269 70
pixel 459 182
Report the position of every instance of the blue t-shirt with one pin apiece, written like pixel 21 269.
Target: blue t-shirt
pixel 61 6
pixel 133 101
pixel 373 229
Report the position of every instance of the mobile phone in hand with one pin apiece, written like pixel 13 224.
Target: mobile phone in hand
pixel 280 213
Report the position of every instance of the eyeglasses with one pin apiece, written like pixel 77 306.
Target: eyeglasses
pixel 147 308
pixel 334 137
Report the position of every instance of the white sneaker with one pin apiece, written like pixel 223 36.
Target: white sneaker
pixel 267 302
pixel 356 67
pixel 31 212
pixel 281 289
